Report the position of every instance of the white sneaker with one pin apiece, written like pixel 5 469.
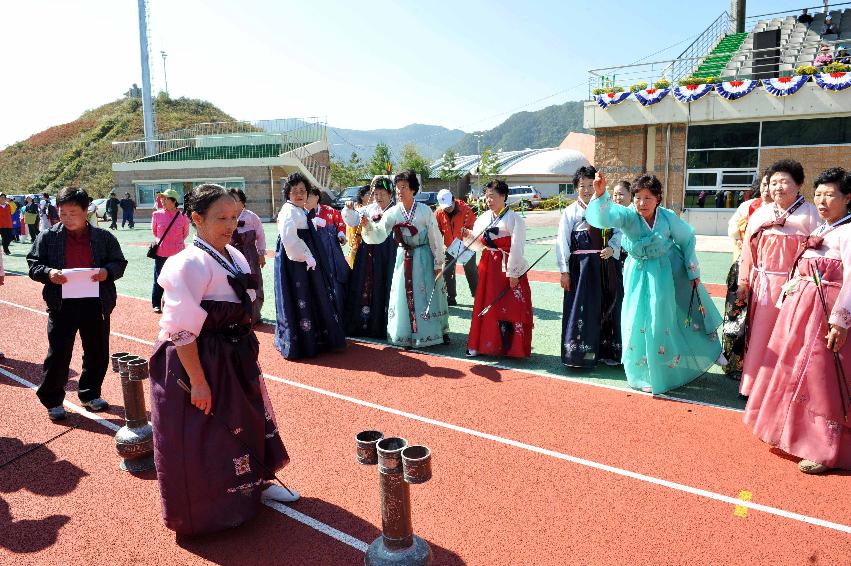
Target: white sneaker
pixel 280 494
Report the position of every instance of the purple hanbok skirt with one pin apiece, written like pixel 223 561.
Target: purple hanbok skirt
pixel 246 243
pixel 208 482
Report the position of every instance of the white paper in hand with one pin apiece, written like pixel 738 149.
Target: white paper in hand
pixel 457 247
pixel 80 284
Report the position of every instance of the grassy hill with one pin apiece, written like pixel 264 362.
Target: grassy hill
pixel 80 153
pixel 544 128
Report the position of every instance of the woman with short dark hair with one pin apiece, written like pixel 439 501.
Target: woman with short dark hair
pixel 307 321
pixel 170 229
pixel 418 314
pixel 217 446
pixel 662 290
pixel 328 237
pixel 506 328
pixel 591 278
pixel 796 402
pixel 769 248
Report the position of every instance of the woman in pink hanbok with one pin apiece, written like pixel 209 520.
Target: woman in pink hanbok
pixel 770 247
pixel 799 396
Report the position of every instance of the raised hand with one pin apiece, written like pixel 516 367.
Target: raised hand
pixel 599 183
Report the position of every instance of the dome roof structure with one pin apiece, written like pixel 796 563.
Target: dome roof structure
pixel 548 162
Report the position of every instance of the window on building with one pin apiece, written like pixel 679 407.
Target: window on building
pixel 724 158
pixel 718 188
pixel 146 192
pixel 719 136
pixel 819 131
pixel 562 188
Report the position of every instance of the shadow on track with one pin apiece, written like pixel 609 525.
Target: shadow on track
pixel 40 473
pixel 271 538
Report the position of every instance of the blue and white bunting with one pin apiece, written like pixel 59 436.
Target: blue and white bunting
pixel 833 81
pixel 784 86
pixel 734 90
pixel 650 96
pixel 611 98
pixel 690 93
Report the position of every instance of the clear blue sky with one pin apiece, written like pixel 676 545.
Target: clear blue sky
pixel 365 65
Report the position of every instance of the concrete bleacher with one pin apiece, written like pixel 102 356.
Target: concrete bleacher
pixel 799 43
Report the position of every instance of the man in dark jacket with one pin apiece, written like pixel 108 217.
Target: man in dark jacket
pixel 112 209
pixel 128 205
pixel 74 243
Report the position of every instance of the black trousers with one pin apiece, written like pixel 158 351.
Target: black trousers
pixel 157 291
pixel 6 235
pixel 85 316
pixel 471 271
pixel 33 230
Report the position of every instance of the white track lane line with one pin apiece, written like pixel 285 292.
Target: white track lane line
pixel 279 507
pixel 489 363
pixel 544 451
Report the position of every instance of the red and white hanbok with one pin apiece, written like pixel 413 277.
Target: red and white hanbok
pixel 795 403
pixel 506 329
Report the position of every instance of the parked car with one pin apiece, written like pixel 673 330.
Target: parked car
pixel 429 199
pixel 347 194
pixel 100 203
pixel 524 195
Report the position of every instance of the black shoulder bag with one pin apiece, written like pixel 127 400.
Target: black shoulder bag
pixel 152 249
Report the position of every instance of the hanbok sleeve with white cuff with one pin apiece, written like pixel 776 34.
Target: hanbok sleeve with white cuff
pixel 291 219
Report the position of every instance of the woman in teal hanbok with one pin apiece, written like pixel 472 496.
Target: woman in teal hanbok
pixel 411 322
pixel 666 343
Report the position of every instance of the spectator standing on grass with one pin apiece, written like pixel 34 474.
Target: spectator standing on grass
pixel 46 214
pixel 418 315
pixel 74 243
pixel 31 217
pixel 453 217
pixel 6 233
pixel 250 240
pixel 170 228
pixel 16 221
pixel 591 278
pixel 307 322
pixel 128 205
pixel 112 204
pixel 217 446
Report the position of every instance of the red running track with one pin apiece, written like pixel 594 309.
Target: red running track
pixel 510 485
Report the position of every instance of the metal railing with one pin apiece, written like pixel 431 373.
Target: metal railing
pixel 693 55
pixel 787 57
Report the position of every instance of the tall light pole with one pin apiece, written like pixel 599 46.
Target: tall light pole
pixel 478 143
pixel 165 76
pixel 147 104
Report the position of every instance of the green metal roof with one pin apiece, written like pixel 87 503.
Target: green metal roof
pixel 215 152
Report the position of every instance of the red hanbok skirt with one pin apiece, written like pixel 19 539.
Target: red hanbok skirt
pixel 506 329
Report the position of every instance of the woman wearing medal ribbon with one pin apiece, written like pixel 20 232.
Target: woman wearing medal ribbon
pixel 368 297
pixel 799 400
pixel 769 248
pixel 506 328
pixel 217 447
pixel 418 314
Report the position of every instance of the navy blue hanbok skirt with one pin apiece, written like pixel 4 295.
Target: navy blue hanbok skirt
pixel 307 320
pixel 368 297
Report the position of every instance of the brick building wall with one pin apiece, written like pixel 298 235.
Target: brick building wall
pixel 626 153
pixel 815 159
